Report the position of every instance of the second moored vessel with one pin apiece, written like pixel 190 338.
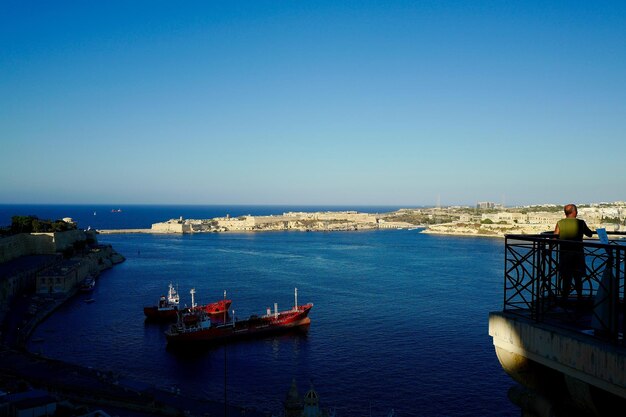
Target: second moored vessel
pixel 168 307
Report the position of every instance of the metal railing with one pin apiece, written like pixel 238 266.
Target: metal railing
pixel 536 282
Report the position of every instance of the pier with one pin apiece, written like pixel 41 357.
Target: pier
pixel 567 353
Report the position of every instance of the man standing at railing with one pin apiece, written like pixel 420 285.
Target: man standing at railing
pixel 572 255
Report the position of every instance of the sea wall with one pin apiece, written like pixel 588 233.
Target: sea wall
pixel 23 244
pixel 172 226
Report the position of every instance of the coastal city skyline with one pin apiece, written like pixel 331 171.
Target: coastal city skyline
pixel 328 103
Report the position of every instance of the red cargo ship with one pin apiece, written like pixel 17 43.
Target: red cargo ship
pixel 195 327
pixel 168 308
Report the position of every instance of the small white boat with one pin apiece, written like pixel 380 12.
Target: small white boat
pixel 88 284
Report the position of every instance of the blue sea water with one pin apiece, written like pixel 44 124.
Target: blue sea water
pixel 400 318
pixel 137 216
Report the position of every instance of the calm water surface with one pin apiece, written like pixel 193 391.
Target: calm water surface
pixel 400 319
pixel 140 216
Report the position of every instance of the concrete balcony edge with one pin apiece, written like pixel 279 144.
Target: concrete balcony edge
pixel 575 354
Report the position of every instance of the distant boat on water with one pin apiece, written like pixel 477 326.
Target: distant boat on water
pixel 116 210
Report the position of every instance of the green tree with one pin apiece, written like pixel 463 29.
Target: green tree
pixel 22 224
pixel 33 224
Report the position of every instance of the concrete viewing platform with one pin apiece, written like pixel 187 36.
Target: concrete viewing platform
pixel 568 353
pixel 553 356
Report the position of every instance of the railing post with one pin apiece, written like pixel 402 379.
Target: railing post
pixel 613 294
pixel 506 262
pixel 536 284
pixel 542 292
pixel 620 274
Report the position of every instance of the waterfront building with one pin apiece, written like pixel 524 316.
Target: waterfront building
pixel 547 218
pixel 25 256
pixel 506 217
pixel 19 276
pixel 62 277
pixel 469 218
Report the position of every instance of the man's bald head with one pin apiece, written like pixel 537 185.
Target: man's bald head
pixel 570 210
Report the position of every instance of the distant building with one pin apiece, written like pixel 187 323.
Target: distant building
pixel 482 205
pixel 62 277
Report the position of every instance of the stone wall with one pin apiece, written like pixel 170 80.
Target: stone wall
pixel 244 223
pixel 24 244
pixel 172 226
pixel 13 247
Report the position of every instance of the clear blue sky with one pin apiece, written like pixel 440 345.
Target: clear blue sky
pixel 312 102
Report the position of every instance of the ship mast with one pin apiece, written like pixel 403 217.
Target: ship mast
pixel 192 292
pixel 295 306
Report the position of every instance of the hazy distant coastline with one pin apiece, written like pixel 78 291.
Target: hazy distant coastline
pixel 489 221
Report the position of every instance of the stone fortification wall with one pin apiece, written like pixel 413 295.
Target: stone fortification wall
pixel 248 223
pixel 65 240
pixel 334 216
pixel 238 223
pixel 13 247
pixel 394 225
pixel 172 226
